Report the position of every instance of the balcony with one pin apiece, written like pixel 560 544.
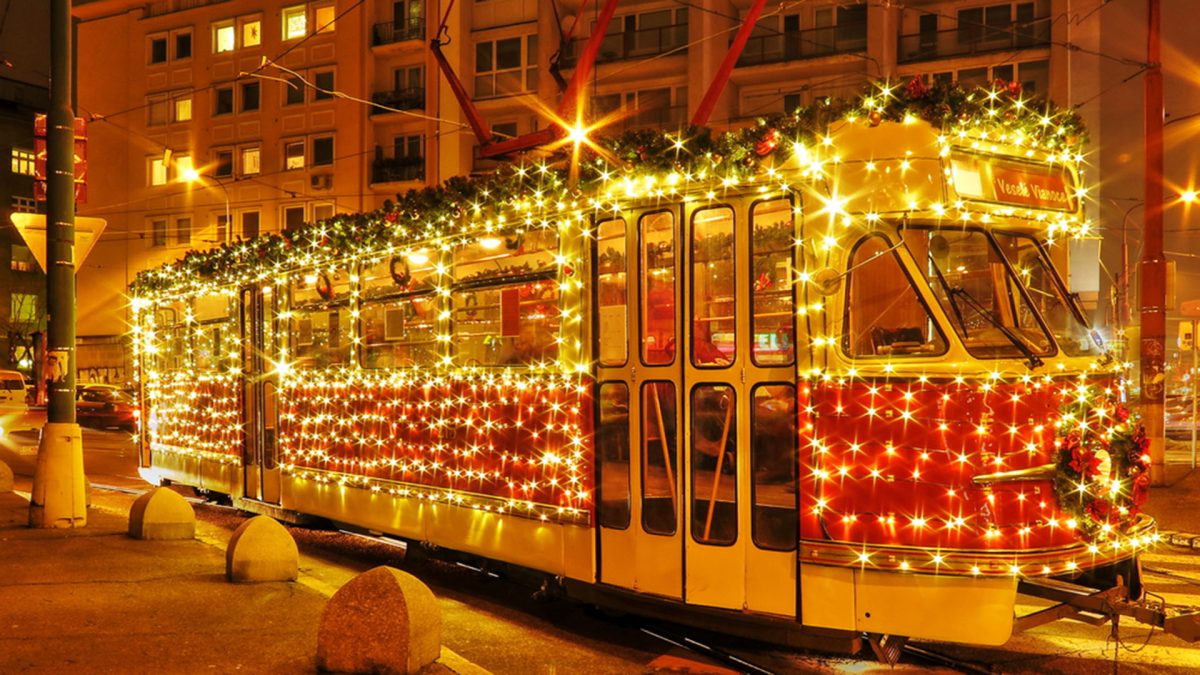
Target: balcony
pixel 635 44
pixel 974 39
pixel 396 169
pixel 388 32
pixel 399 99
pixel 803 44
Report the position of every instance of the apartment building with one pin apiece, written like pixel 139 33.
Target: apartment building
pixel 216 120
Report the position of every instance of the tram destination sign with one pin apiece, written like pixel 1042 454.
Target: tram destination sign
pixel 1013 183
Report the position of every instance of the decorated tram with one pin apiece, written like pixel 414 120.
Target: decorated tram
pixel 821 376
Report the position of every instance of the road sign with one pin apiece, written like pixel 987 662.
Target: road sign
pixel 32 227
pixel 1185 334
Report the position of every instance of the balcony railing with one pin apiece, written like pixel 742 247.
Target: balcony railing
pixel 390 31
pixel 169 6
pixel 802 44
pixel 974 39
pixel 400 99
pixel 396 169
pixel 632 44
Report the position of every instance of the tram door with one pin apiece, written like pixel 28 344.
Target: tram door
pixel 259 395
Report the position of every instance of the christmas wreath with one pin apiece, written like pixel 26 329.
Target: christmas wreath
pixel 1103 463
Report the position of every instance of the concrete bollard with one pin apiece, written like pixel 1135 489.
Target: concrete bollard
pixel 6 478
pixel 162 513
pixel 383 621
pixel 262 550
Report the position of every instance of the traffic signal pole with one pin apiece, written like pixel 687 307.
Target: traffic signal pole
pixel 1154 264
pixel 59 495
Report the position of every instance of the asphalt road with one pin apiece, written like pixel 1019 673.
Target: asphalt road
pixel 499 625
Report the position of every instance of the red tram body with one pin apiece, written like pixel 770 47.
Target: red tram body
pixel 833 383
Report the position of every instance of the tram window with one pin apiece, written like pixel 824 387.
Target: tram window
pixel 505 256
pixel 657 287
pixel 612 455
pixel 978 293
pixel 884 313
pixel 714 335
pixel 1036 271
pixel 216 345
pixel 714 464
pixel 660 461
pixel 407 272
pixel 399 332
pixel 773 247
pixel 612 301
pixel 513 324
pixel 775 462
pixel 320 336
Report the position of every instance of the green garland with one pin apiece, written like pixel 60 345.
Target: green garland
pixel 429 212
pixel 1103 474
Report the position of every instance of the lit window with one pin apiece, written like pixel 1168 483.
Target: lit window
pixel 183 167
pixel 224 38
pixel 250 160
pixel 23 308
pixel 323 19
pixel 183 109
pixel 293 154
pixel 252 33
pixel 158 171
pixel 295 22
pixel 23 162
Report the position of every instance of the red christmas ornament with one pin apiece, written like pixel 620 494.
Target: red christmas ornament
pixel 768 143
pixel 916 88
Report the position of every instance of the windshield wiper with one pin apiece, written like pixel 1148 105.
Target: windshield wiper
pixel 949 295
pixel 1017 341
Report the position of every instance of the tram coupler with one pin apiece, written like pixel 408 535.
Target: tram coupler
pixel 1097 607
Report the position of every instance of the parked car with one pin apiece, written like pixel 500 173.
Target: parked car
pixel 12 389
pixel 105 405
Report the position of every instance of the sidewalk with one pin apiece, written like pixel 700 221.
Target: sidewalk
pixel 94 600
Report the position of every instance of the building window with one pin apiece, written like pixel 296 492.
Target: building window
pixel 158 171
pixel 293 155
pixel 183 230
pixel 183 44
pixel 408 147
pixel 293 217
pixel 250 161
pixel 222 224
pixel 158 110
pixel 23 307
pixel 324 85
pixel 251 33
pixel 183 167
pixel 24 204
pixel 22 259
pixel 294 91
pixel 224 38
pixel 322 212
pixel 295 22
pixel 249 224
pixel 223 97
pixel 183 109
pixel 158 232
pixel 502 68
pixel 250 96
pixel 23 162
pixel 158 50
pixel 322 154
pixel 323 18
pixel 224 167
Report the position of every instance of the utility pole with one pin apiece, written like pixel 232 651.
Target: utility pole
pixel 1154 264
pixel 59 496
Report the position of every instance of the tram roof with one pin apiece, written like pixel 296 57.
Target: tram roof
pixel 922 152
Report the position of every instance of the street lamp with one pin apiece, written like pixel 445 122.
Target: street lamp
pixel 191 175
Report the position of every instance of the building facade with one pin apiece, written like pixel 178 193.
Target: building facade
pixel 215 120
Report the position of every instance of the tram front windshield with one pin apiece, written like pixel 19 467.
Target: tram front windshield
pixel 979 292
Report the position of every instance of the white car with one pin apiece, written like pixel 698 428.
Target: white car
pixel 12 389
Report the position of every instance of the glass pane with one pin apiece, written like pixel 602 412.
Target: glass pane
pixel 978 293
pixel 400 332
pixel 1036 272
pixel 514 324
pixel 612 453
pixel 320 337
pixel 506 255
pixel 251 34
pixel 225 39
pixel 611 288
pixel 508 54
pixel 409 272
pixel 774 462
pixel 216 346
pixel 660 461
pixel 714 336
pixel 714 464
pixel 884 313
pixel 773 249
pixel 483 57
pixel 658 287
